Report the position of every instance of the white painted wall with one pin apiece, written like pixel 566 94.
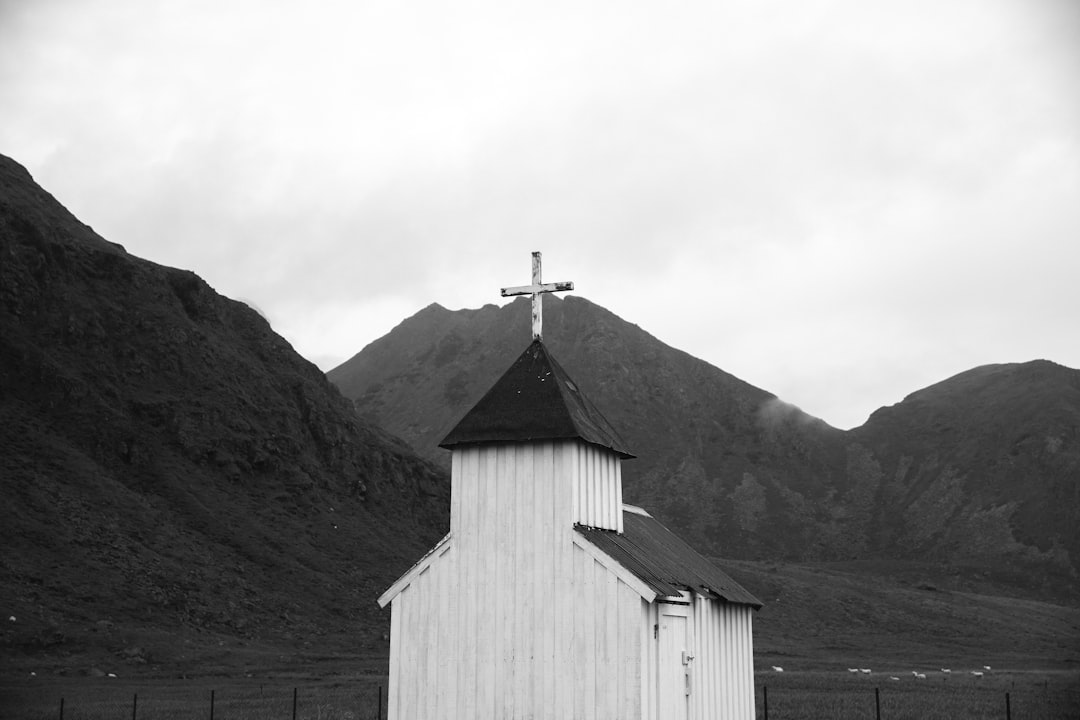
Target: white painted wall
pixel 597 488
pixel 518 616
pixel 513 619
pixel 723 667
pixel 719 635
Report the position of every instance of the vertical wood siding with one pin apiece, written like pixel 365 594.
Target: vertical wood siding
pixel 597 488
pixel 723 665
pixel 514 620
pixel 649 674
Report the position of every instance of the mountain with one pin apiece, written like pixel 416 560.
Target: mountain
pixel 711 449
pixel 980 470
pixel 176 478
pixel 185 495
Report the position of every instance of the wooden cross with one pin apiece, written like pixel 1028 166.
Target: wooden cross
pixel 535 290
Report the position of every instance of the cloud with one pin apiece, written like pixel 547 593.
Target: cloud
pixel 833 200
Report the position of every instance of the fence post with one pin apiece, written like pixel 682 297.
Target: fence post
pixel 61 708
pixel 1008 708
pixel 379 716
pixel 877 702
pixel 765 699
pixel 134 705
pixel 294 704
pixel 211 705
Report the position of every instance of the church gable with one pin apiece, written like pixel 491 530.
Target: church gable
pixel 433 555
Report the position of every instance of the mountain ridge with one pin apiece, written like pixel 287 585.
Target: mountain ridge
pixel 185 496
pixel 173 467
pixel 738 471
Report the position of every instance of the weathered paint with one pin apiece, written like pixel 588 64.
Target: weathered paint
pixel 536 289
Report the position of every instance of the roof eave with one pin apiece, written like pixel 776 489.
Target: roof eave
pixel 623 455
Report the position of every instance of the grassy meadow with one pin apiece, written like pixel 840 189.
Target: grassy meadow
pixel 171 699
pixel 1033 695
pixel 818 620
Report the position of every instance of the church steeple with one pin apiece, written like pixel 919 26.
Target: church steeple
pixel 535 400
pixel 549 598
pixel 534 434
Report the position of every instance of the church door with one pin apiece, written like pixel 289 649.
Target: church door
pixel 674 663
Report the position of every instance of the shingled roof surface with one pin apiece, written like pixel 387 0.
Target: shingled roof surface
pixel 661 560
pixel 535 400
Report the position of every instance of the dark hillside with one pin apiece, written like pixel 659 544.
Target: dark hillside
pixel 716 456
pixel 981 471
pixel 984 468
pixel 171 467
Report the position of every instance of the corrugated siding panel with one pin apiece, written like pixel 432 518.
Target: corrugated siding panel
pixel 563 603
pixel 503 577
pixel 629 653
pixel 584 643
pixel 546 581
pixel 393 703
pixel 597 488
pixel 449 639
pixel 648 664
pixel 421 643
pixel 605 679
pixel 466 543
pixel 723 665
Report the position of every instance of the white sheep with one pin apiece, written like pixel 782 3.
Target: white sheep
pixel 853 670
pixel 893 677
pixel 977 673
pixel 946 670
pixel 986 667
pixel 919 675
pixel 864 671
pixel 777 668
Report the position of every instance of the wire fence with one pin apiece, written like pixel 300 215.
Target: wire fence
pixel 811 698
pixel 169 702
pixel 794 697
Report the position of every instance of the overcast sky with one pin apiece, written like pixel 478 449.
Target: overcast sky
pixel 839 202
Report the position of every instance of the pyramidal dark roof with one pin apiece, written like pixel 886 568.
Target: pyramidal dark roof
pixel 535 400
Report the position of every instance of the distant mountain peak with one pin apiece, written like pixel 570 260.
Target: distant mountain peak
pixel 962 471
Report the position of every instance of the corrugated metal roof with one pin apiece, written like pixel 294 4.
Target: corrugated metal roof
pixel 535 400
pixel 660 559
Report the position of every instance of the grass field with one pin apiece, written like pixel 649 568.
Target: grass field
pixel 1033 695
pixel 352 699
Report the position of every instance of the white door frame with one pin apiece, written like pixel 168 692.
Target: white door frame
pixel 673 654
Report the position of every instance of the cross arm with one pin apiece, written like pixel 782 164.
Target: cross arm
pixel 532 289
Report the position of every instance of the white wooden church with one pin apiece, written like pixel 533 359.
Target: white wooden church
pixel 549 597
